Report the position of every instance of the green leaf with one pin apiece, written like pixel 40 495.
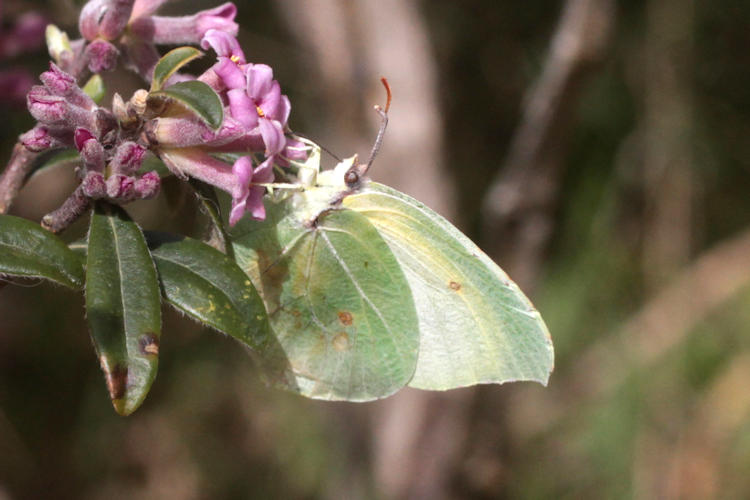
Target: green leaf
pixel 95 88
pixel 123 306
pixel 172 62
pixel 28 250
pixel 338 302
pixel 209 286
pixel 476 326
pixel 198 98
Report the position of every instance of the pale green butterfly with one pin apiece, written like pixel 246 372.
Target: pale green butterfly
pixel 368 291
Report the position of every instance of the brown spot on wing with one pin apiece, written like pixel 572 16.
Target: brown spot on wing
pixel 455 286
pixel 341 342
pixel 346 318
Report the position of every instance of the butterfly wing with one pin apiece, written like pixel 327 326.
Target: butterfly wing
pixel 476 326
pixel 340 307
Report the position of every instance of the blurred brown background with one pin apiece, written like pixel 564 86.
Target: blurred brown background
pixel 598 150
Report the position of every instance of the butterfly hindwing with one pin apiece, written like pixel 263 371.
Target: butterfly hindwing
pixel 339 304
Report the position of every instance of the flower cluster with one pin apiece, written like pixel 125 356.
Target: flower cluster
pixel 112 143
pixel 256 115
pixel 68 117
pixel 131 28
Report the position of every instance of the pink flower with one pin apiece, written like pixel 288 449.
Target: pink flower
pixel 147 30
pixel 186 29
pixel 255 98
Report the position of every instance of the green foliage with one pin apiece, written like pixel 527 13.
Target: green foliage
pixel 28 251
pixel 198 97
pixel 95 88
pixel 171 63
pixel 210 287
pixel 123 306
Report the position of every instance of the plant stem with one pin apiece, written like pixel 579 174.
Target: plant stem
pixel 14 175
pixel 75 206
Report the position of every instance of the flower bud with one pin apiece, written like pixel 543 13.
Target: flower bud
pixel 64 85
pixel 128 158
pixel 121 187
pixel 148 185
pixel 94 186
pixel 92 155
pixel 102 56
pixel 105 18
pixel 80 137
pixel 46 108
pixel 38 139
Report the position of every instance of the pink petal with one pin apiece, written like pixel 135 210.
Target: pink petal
pixel 259 80
pixel 273 136
pixel 238 210
pixel 255 203
pixel 283 110
pixel 269 103
pixel 230 73
pixel 243 170
pixel 242 108
pixel 224 44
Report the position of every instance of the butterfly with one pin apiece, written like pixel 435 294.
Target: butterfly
pixel 368 290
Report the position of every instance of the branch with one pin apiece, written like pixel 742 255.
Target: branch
pixel 14 175
pixel 518 204
pixel 74 207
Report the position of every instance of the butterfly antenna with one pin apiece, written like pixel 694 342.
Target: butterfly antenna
pixel 323 148
pixel 383 124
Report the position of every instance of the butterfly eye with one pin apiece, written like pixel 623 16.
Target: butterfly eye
pixel 351 178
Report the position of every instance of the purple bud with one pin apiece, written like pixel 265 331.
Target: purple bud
pixel 45 107
pixel 128 158
pixel 102 56
pixel 38 139
pixel 94 186
pixel 105 18
pixel 57 81
pixel 92 154
pixel 148 185
pixel 121 187
pixel 56 112
pixel 64 85
pixel 80 137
